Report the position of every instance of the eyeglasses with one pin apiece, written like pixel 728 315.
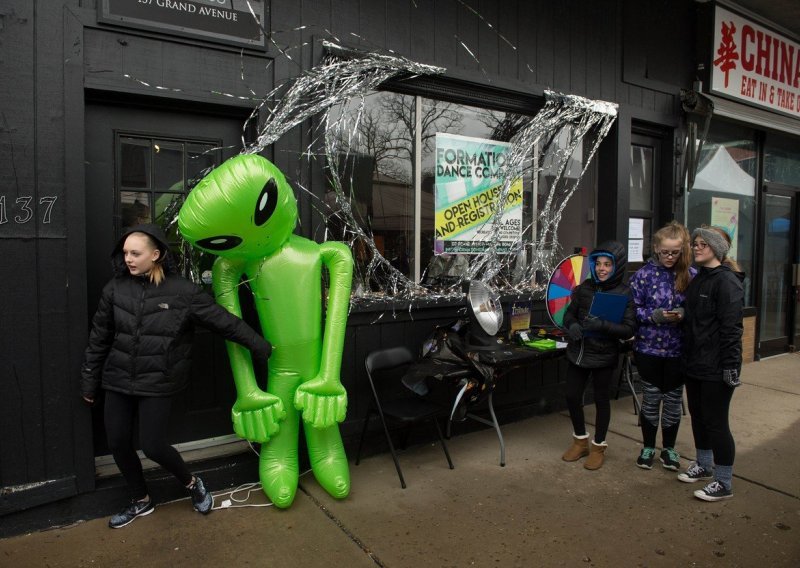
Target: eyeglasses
pixel 669 253
pixel 701 246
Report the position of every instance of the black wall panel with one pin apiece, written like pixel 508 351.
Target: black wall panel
pixel 577 47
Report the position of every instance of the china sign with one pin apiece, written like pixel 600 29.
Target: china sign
pixel 470 174
pixel 754 64
pixel 228 21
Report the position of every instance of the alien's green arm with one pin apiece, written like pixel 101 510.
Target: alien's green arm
pixel 226 278
pixel 338 259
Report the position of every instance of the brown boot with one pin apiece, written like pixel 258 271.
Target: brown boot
pixel 578 449
pixel 596 456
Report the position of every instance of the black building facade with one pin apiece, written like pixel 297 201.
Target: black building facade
pixel 111 107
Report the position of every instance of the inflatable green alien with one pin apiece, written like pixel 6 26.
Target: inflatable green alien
pixel 244 211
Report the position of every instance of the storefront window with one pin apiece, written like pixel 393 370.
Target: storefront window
pixel 724 192
pixel 376 166
pixel 576 230
pixel 453 136
pixel 390 157
pixel 781 161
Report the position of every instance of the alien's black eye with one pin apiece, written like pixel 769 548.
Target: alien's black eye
pixel 267 200
pixel 223 242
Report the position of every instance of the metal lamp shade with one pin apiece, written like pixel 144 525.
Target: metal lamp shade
pixel 486 308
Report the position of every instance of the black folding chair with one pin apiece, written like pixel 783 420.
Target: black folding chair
pixel 385 369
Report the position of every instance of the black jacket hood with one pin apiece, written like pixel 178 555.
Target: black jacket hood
pixel 615 250
pixel 157 234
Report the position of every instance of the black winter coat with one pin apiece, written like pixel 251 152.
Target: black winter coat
pixel 713 323
pixel 141 338
pixel 601 349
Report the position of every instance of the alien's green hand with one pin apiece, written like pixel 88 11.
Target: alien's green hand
pixel 323 402
pixel 256 416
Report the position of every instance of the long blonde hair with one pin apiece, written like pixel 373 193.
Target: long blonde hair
pixel 676 231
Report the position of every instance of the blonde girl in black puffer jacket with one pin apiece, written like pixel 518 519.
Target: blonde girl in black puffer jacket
pixel 139 353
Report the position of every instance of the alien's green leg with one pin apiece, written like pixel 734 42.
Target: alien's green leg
pixel 328 460
pixel 278 468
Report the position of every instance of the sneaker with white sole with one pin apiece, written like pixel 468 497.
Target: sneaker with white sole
pixel 714 491
pixel 132 511
pixel 645 459
pixel 202 500
pixel 670 459
pixel 694 473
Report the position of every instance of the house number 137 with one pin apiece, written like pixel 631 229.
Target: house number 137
pixel 23 206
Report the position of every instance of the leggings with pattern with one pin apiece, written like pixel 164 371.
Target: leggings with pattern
pixel 662 400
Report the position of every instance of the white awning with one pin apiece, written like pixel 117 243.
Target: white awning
pixel 754 116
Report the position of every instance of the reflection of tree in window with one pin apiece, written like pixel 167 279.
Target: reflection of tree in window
pixel 376 169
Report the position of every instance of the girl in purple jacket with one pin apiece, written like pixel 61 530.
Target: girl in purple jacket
pixel 658 290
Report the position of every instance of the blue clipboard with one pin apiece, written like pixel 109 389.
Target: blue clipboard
pixel 609 307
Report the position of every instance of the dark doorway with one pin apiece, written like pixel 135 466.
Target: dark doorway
pixel 138 160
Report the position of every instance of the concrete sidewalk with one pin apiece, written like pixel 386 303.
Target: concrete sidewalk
pixel 536 511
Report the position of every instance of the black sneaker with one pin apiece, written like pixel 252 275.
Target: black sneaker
pixel 202 500
pixel 669 459
pixel 696 472
pixel 133 510
pixel 645 459
pixel 714 491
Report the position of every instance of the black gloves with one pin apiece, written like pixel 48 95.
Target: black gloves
pixel 594 324
pixel 731 377
pixel 261 356
pixel 575 332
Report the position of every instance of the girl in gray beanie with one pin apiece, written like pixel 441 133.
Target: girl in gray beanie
pixel 713 360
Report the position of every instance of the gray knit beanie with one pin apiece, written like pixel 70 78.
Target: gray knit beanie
pixel 717 242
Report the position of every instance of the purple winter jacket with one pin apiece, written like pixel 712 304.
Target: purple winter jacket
pixel 652 287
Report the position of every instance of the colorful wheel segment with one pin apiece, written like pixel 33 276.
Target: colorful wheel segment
pixel 569 273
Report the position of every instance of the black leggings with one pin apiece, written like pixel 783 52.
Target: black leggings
pixel 121 411
pixel 709 403
pixel 577 378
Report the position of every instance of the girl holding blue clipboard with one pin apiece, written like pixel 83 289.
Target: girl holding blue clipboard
pixel 600 314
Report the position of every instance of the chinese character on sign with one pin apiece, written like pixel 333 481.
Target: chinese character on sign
pixel 727 50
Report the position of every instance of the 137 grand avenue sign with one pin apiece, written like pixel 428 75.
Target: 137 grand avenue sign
pixel 239 22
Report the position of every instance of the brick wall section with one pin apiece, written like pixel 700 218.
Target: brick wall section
pixel 749 339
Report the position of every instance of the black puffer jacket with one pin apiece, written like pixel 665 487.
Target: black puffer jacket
pixel 602 349
pixel 713 324
pixel 141 338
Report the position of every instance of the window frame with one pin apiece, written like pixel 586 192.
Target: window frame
pixel 214 145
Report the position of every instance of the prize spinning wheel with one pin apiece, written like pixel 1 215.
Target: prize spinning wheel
pixel 567 274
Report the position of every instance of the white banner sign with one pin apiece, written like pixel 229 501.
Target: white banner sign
pixel 755 65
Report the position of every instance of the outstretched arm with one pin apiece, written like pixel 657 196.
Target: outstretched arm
pixel 323 399
pixel 256 413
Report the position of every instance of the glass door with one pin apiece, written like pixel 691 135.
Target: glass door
pixel 780 288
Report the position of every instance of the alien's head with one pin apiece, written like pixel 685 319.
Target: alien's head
pixel 242 209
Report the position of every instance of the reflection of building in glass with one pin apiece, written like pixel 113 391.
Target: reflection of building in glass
pixel 134 209
pixel 725 179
